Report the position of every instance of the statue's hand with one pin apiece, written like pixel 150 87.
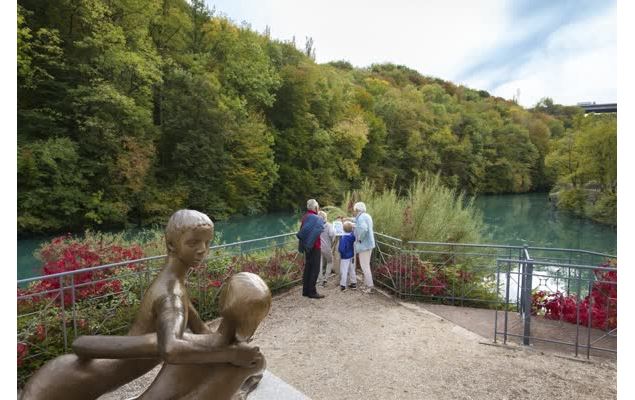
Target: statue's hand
pixel 246 356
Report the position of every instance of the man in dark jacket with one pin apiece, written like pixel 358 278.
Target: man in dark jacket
pixel 309 237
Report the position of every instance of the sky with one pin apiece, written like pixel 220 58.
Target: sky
pixel 566 50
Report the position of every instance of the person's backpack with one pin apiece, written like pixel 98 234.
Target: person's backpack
pixel 309 232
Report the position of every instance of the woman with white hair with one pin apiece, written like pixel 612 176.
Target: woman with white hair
pixel 364 242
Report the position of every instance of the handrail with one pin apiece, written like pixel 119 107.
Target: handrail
pixel 90 269
pixel 389 237
pixel 139 260
pixel 526 252
pixel 504 246
pixel 547 263
pixel 500 246
pixel 594 253
pixel 221 246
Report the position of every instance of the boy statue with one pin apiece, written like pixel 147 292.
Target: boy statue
pixel 158 333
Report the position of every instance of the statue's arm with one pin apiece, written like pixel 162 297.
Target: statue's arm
pixel 170 343
pixel 194 321
pixel 142 346
pixel 175 348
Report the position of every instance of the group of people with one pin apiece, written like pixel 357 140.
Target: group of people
pixel 323 244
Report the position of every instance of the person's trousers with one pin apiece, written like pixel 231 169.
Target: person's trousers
pixel 312 259
pixel 347 272
pixel 327 259
pixel 364 261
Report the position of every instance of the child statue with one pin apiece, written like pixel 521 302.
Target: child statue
pixel 158 333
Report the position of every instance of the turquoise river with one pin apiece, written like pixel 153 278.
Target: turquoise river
pixel 509 219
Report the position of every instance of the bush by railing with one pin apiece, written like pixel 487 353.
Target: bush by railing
pixel 577 304
pixel 597 309
pixel 428 209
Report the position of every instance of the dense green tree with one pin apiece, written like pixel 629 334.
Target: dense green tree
pixel 584 164
pixel 130 109
pixel 51 186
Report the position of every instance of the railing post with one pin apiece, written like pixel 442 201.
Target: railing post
pixel 63 314
pixel 521 275
pixel 74 307
pixel 589 317
pixel 525 301
pixel 498 270
pixel 577 315
pixel 509 266
pixel 529 269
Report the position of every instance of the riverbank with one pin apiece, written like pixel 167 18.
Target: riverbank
pixel 589 202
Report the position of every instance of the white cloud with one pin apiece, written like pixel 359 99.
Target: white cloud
pixel 436 38
pixel 445 38
pixel 578 62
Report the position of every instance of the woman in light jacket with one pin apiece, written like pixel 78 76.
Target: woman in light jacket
pixel 364 242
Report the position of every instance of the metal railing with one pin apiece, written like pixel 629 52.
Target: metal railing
pixel 56 308
pixel 473 264
pixel 470 274
pixel 570 297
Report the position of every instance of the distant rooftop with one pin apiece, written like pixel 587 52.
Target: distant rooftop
pixel 591 107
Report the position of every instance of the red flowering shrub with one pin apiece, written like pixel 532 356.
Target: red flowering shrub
pixel 409 273
pixel 280 268
pixel 65 253
pixel 42 320
pixel 602 301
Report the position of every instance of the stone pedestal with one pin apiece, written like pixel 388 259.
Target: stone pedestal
pixel 272 387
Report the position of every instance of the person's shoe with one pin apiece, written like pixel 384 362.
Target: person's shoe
pixel 316 296
pixel 342 288
pixel 368 290
pixel 353 286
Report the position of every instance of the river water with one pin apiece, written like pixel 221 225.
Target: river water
pixel 510 219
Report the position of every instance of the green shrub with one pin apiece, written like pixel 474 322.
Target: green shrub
pixel 573 200
pixel 605 209
pixel 428 211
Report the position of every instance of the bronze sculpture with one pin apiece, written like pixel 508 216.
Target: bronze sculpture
pixel 223 362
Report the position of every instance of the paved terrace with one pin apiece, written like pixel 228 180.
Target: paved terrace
pixel 352 345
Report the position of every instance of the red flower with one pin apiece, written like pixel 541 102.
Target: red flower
pixel 23 351
pixel 40 332
pixel 602 301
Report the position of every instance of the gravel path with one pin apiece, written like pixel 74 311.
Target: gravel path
pixel 351 345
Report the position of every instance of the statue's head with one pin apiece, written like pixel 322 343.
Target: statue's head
pixel 188 236
pixel 244 300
